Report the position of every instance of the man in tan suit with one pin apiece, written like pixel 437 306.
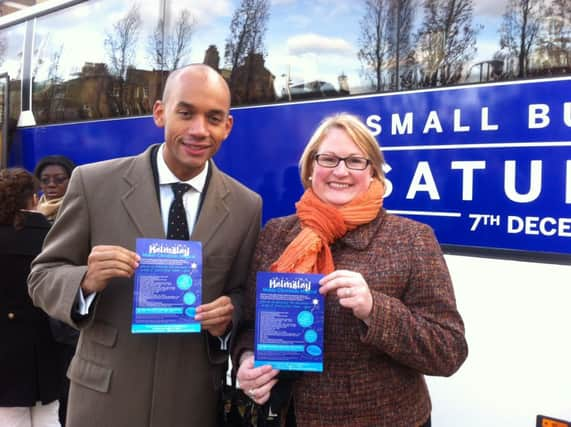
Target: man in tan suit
pixel 84 274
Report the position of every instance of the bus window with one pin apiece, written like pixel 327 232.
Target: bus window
pixel 102 73
pixel 11 42
pixel 4 84
pixel 280 51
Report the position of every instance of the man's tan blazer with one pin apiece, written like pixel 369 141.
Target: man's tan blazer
pixel 119 378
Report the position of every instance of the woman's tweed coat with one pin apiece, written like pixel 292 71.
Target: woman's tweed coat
pixel 374 376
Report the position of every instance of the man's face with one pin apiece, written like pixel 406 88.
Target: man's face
pixel 194 114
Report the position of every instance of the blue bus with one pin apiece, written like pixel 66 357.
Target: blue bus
pixel 472 113
pixel 474 126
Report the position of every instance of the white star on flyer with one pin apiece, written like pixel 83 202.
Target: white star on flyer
pixel 194 265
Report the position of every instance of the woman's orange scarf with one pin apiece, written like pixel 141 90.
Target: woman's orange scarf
pixel 322 224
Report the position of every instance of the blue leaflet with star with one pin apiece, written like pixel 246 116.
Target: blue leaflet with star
pixel 289 321
pixel 168 286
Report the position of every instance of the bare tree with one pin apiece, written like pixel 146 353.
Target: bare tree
pixel 554 44
pixel 373 41
pixel 54 101
pixel 156 46
pixel 447 40
pixel 519 30
pixel 3 48
pixel 46 77
pixel 120 43
pixel 168 48
pixel 41 49
pixel 401 19
pixel 247 31
pixel 120 48
pixel 178 45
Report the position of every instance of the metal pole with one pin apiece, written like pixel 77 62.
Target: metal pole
pixel 5 117
pixel 26 117
pixel 397 85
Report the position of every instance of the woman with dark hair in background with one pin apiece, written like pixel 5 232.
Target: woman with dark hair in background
pixel 53 172
pixel 30 372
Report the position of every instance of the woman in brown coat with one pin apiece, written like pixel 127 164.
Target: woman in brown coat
pixel 390 315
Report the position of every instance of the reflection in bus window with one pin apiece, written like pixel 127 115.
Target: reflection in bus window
pixel 11 43
pixel 89 63
pixel 101 59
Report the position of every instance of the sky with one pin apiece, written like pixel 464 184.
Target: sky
pixel 318 39
pixel 305 39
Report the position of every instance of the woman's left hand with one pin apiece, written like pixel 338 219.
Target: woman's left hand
pixel 352 291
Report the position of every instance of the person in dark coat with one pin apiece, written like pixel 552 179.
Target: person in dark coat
pixel 54 172
pixel 30 377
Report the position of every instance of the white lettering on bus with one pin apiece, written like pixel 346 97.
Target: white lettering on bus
pixel 534 185
pixel 485 121
pixel 404 124
pixel 423 173
pixel 538 116
pixel 535 226
pixel 432 122
pixel 388 184
pixel 401 127
pixel 567 114
pixel 458 127
pixel 423 180
pixel 374 123
pixel 568 183
pixel 467 168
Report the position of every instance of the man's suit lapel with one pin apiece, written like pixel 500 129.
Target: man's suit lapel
pixel 142 205
pixel 140 198
pixel 214 209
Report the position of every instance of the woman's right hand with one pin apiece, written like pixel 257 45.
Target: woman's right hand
pixel 256 382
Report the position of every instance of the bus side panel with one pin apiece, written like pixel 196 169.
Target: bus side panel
pixel 88 142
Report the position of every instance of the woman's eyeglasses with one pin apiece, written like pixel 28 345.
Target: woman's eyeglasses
pixel 57 180
pixel 352 162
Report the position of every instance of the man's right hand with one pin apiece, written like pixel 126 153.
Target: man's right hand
pixel 107 262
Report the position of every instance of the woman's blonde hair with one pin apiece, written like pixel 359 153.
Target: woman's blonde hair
pixel 357 131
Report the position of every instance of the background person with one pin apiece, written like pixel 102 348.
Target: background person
pixel 30 374
pixel 390 315
pixel 124 379
pixel 53 172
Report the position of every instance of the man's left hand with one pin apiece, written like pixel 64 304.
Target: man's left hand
pixel 216 316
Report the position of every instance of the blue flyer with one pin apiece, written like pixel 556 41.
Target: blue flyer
pixel 289 321
pixel 168 286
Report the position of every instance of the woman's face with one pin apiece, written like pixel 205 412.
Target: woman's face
pixel 339 185
pixel 53 181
